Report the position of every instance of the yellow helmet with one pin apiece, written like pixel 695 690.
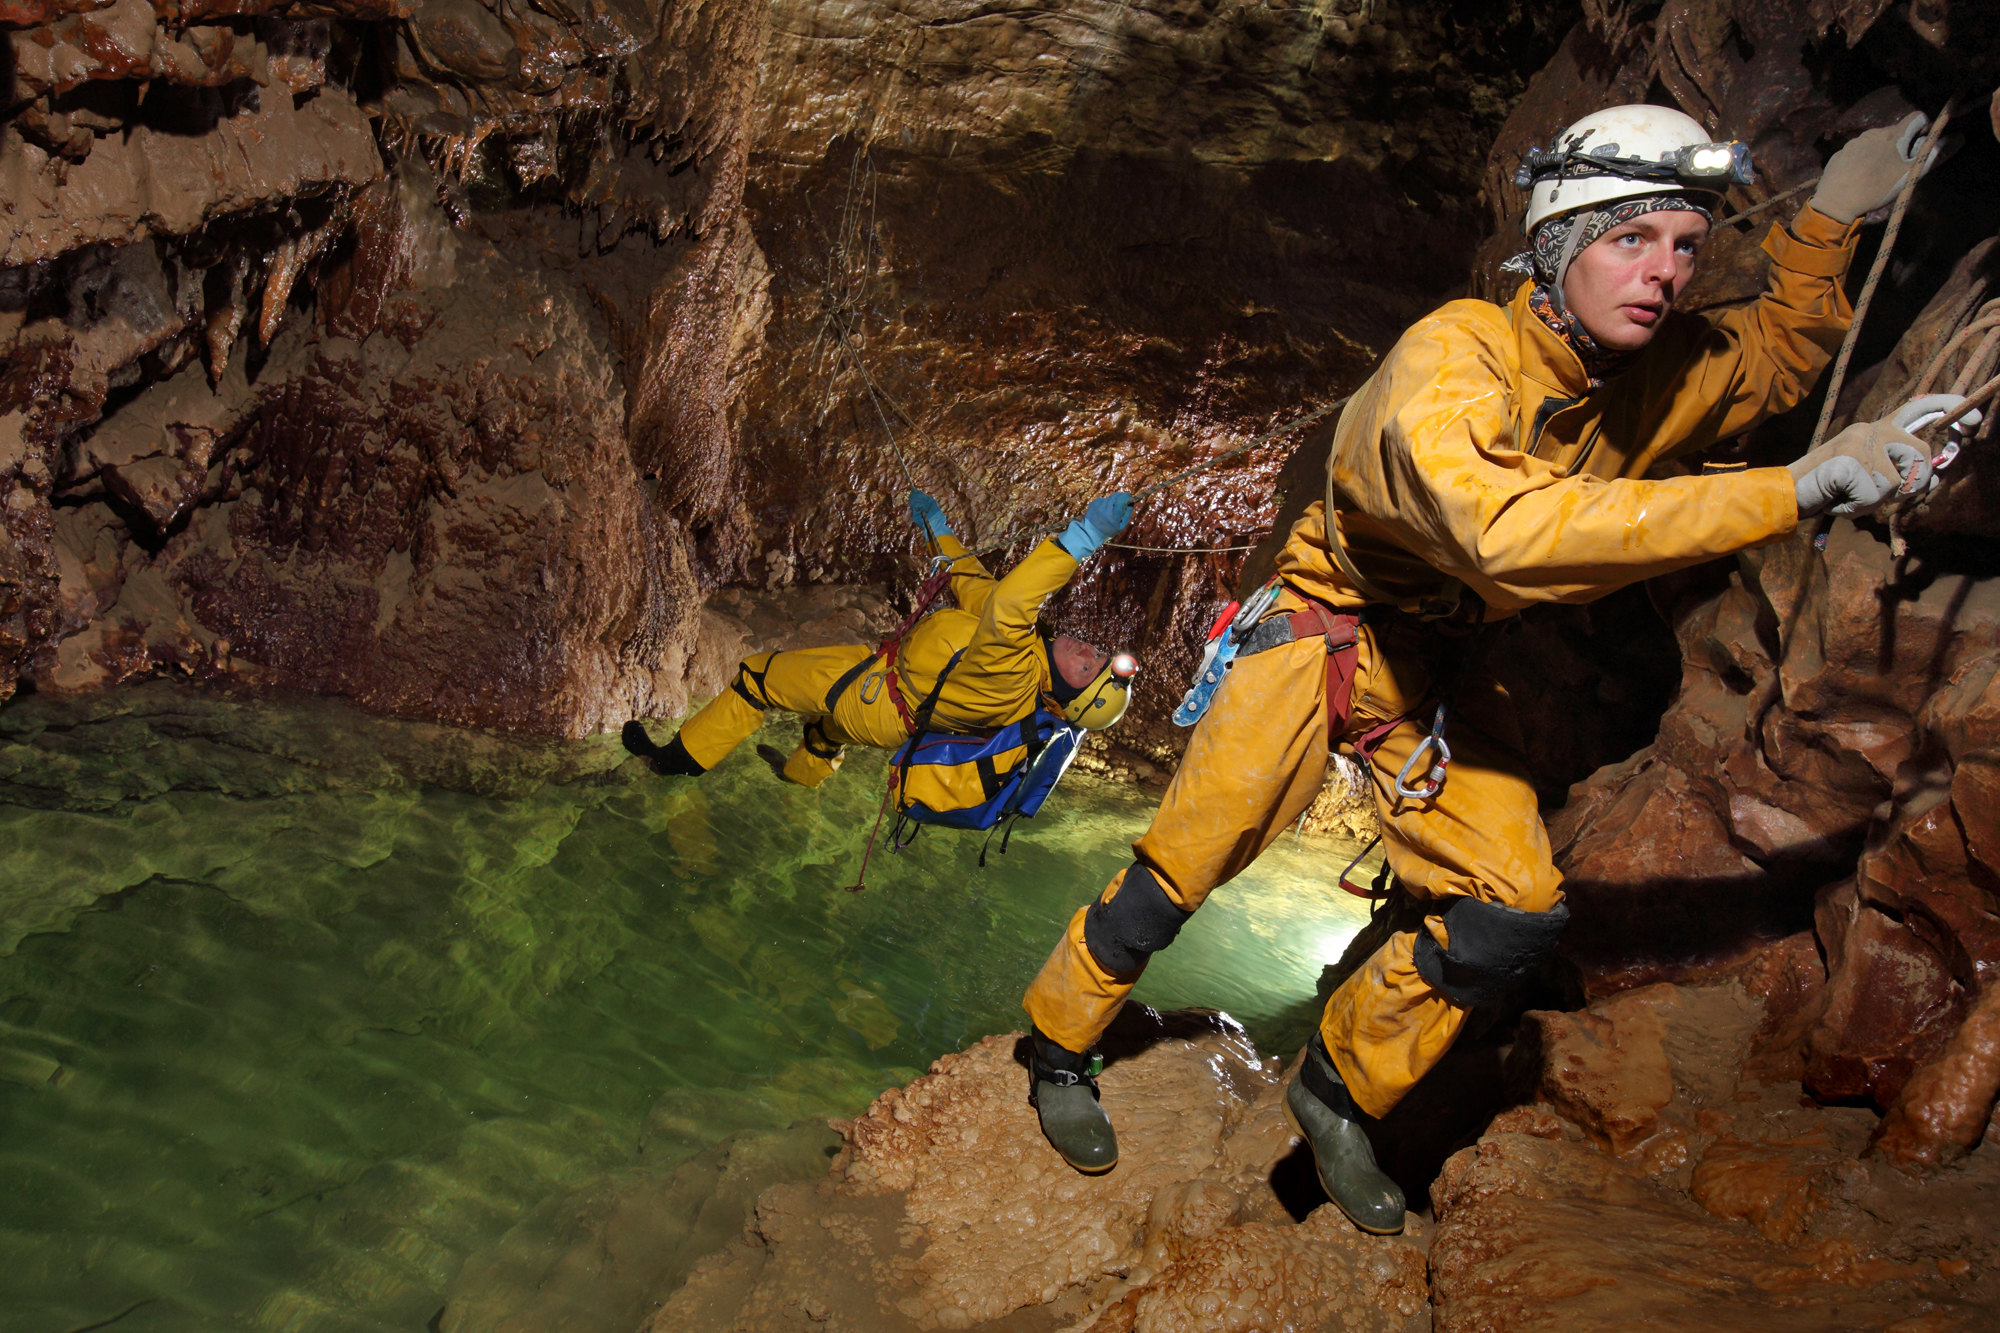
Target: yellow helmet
pixel 1103 701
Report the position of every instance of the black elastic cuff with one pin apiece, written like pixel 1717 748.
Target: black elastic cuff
pixel 1322 1080
pixel 1138 922
pixel 672 760
pixel 1050 1063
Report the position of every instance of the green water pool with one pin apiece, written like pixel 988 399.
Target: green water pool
pixel 291 1025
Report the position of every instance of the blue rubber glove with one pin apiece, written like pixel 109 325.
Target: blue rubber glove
pixel 927 514
pixel 1105 519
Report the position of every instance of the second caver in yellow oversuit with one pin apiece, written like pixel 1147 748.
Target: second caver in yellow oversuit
pixel 1005 669
pixel 1481 468
pixel 975 667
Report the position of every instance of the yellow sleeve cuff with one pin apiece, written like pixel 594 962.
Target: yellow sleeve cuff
pixel 1814 245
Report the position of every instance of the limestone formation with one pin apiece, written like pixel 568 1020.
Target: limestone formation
pixel 947 1210
pixel 1649 1180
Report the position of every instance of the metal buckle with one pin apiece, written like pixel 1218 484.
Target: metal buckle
pixel 1434 780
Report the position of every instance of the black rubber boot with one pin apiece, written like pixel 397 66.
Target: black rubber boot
pixel 1064 1094
pixel 1319 1107
pixel 671 760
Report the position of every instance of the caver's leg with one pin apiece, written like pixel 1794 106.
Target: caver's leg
pixel 1255 762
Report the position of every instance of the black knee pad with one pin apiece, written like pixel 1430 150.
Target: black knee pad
pixel 1492 948
pixel 1139 922
pixel 749 685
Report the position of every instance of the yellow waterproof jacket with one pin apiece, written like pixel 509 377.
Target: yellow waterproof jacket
pixel 1005 669
pixel 1478 451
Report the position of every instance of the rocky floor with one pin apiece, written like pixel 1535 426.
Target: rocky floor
pixel 1640 1179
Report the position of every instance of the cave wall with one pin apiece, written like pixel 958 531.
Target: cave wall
pixel 369 348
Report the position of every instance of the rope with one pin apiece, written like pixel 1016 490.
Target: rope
pixel 1185 474
pixel 1977 399
pixel 1772 202
pixel 1875 271
pixel 1185 550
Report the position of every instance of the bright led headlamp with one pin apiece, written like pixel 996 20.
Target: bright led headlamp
pixel 1709 166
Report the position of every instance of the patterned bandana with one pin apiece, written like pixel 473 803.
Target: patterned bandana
pixel 1551 239
pixel 1599 363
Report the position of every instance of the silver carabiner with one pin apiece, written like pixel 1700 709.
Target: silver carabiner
pixel 871 686
pixel 1434 780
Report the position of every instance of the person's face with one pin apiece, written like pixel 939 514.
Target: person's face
pixel 1077 662
pixel 1621 286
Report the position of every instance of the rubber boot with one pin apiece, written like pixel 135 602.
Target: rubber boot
pixel 671 760
pixel 1064 1095
pixel 1319 1108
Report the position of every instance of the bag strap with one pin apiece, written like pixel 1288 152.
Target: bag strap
pixel 920 724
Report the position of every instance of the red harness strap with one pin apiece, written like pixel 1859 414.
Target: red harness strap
pixel 926 594
pixel 1343 656
pixel 1343 659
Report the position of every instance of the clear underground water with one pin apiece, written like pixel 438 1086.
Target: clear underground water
pixel 286 1035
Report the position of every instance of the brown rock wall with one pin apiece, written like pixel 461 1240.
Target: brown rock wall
pixel 432 467
pixel 1077 248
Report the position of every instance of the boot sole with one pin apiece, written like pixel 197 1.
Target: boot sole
pixel 1080 1168
pixel 1285 1105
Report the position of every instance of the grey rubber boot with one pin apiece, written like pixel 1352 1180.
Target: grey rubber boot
pixel 1064 1095
pixel 1320 1109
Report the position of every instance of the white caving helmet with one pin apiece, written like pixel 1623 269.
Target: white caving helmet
pixel 1625 152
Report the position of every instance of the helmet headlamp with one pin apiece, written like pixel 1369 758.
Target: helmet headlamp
pixel 1710 166
pixel 1103 701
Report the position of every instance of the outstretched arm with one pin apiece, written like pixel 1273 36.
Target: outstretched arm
pixel 1433 466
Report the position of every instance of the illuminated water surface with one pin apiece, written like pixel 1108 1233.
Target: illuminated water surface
pixel 280 1051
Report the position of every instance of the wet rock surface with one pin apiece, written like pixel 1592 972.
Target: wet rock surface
pixel 948 1210
pixel 1650 1179
pixel 274 406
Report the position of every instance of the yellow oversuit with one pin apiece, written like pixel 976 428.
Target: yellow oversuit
pixel 1005 670
pixel 1478 457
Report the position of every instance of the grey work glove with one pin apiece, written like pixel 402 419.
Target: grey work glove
pixel 1872 462
pixel 1868 170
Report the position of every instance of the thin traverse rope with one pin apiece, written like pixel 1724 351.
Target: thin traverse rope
pixel 1772 202
pixel 1975 400
pixel 1184 550
pixel 1875 271
pixel 1166 483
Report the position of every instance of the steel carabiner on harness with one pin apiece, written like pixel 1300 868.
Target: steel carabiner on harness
pixel 1434 780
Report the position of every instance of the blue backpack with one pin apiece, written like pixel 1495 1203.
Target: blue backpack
pixel 978 781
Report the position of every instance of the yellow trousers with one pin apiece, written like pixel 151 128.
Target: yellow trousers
pixel 799 682
pixel 1255 763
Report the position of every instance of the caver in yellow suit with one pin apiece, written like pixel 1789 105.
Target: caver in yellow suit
pixel 995 662
pixel 1481 469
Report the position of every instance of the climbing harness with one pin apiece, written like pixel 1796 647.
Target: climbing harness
pixel 874 682
pixel 1380 887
